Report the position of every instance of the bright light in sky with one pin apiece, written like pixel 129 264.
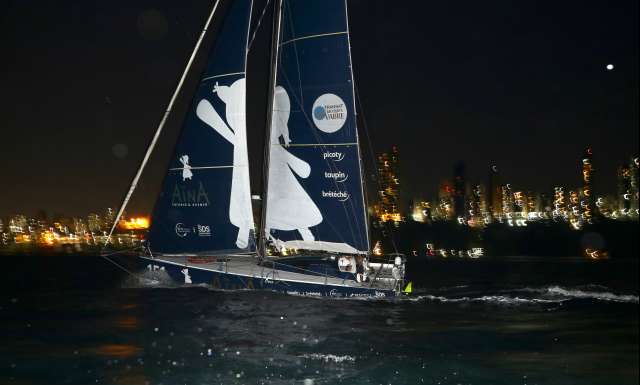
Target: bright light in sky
pixel 609 67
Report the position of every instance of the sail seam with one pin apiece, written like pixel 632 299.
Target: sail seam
pixel 313 145
pixel 313 36
pixel 207 167
pixel 222 75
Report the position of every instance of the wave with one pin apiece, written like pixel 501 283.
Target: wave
pixel 581 293
pixel 524 296
pixel 329 357
pixel 493 299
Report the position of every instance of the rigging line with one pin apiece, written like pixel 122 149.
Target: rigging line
pixel 355 125
pixel 120 266
pixel 295 49
pixel 152 145
pixel 255 31
pixel 373 159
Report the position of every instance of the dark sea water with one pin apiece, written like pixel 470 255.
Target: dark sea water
pixel 80 320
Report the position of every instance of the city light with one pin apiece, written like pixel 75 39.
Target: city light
pixel 140 223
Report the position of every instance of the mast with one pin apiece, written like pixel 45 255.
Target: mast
pixel 163 121
pixel 275 40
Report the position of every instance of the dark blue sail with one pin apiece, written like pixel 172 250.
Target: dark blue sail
pixel 315 192
pixel 205 203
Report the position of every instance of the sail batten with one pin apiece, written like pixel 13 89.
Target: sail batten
pixel 205 203
pixel 314 193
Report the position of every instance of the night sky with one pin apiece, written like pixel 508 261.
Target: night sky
pixel 519 84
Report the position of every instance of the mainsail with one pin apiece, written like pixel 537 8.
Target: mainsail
pixel 315 194
pixel 205 203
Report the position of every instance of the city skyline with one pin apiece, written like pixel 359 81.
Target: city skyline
pixel 527 91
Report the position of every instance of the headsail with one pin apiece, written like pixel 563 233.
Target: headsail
pixel 205 203
pixel 315 193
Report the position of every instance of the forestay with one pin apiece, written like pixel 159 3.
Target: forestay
pixel 315 193
pixel 205 203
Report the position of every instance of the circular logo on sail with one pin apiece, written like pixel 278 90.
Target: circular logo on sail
pixel 182 231
pixel 329 113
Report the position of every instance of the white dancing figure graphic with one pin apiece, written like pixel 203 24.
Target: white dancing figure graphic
pixel 289 206
pixel 186 168
pixel 233 96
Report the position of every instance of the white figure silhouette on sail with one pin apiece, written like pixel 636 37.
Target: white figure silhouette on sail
pixel 289 207
pixel 186 168
pixel 233 96
pixel 187 277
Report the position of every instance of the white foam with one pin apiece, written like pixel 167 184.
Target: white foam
pixel 495 299
pixel 329 357
pixel 598 295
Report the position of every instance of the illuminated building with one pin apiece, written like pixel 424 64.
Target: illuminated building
pixel 559 204
pixel 420 211
pixel 586 203
pixel 79 226
pixel 574 215
pixel 444 209
pixel 140 223
pixel 495 193
pixel 459 192
pixel 477 207
pixel 507 202
pixel 18 224
pixel 388 207
pixel 1 226
pixel 520 203
pixel 109 217
pixel 624 190
pixel 93 223
pixel 633 182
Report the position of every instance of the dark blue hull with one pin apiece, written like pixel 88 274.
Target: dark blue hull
pixel 229 281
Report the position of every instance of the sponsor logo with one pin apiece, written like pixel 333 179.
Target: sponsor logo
pixel 181 230
pixel 339 195
pixel 204 231
pixel 304 293
pixel 359 295
pixel 329 113
pixel 335 156
pixel 190 197
pixel 338 176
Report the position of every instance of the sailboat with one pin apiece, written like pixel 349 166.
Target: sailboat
pixel 313 235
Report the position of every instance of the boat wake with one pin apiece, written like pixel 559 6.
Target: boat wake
pixel 149 279
pixel 596 292
pixel 546 295
pixel 491 299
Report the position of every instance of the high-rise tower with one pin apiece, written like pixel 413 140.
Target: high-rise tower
pixel 388 207
pixel 586 203
pixel 494 192
pixel 459 191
